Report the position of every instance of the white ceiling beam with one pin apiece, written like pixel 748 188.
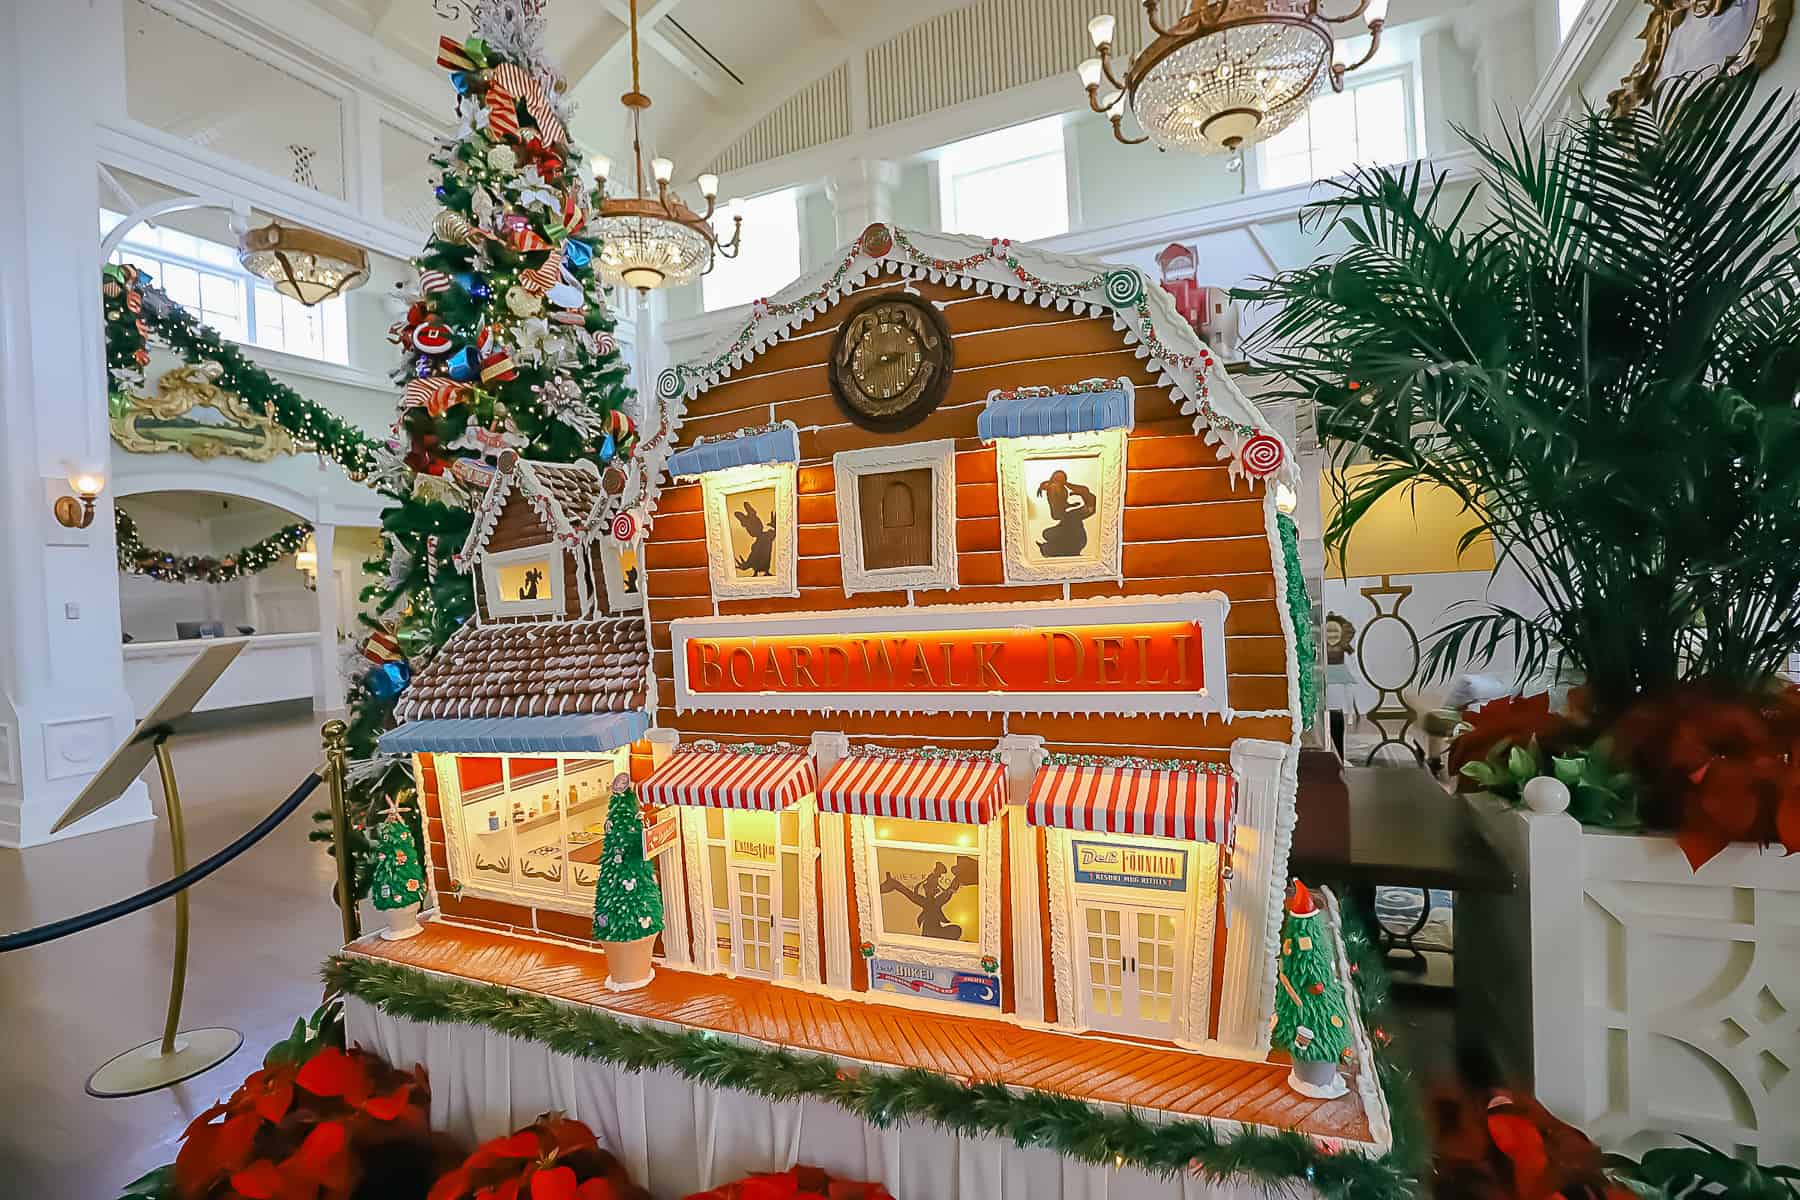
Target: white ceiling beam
pixel 703 71
pixel 822 10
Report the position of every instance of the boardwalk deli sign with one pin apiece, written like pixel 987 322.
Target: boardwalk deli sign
pixel 1161 654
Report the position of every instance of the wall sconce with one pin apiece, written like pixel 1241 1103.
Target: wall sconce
pixel 77 511
pixel 1286 499
pixel 307 560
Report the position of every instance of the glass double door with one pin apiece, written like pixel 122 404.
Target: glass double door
pixel 1131 967
pixel 753 882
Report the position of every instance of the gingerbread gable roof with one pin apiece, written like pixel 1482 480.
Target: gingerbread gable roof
pixel 1141 311
pixel 567 497
pixel 533 669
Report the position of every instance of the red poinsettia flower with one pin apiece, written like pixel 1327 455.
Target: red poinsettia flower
pixel 333 1073
pixel 553 1183
pixel 268 1092
pixel 261 1180
pixel 211 1151
pixel 391 1106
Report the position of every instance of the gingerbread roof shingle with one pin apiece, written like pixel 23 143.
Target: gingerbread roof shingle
pixel 529 669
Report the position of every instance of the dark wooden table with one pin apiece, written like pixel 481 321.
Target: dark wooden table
pixel 1388 825
pixel 1363 827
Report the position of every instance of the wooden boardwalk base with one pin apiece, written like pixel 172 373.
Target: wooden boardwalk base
pixel 1097 1068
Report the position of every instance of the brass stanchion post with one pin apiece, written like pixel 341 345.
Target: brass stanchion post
pixel 336 754
pixel 178 856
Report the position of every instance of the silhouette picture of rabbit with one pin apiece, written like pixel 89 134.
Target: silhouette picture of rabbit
pixel 761 557
pixel 631 581
pixel 533 577
pixel 1071 505
pixel 933 893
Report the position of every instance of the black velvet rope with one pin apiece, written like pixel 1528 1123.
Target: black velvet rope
pixel 121 908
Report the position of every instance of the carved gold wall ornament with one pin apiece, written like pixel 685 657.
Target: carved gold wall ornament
pixel 190 413
pixel 1683 36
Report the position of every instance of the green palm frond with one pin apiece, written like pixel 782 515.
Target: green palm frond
pixel 1596 351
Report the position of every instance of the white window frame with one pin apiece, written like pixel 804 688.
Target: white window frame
pixel 333 313
pixel 945 174
pixel 543 606
pixel 849 466
pixel 716 488
pixel 1103 558
pixel 1406 73
pixel 612 564
pixel 934 952
pixel 571 893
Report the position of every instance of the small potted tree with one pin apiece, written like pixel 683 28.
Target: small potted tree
pixel 397 877
pixel 1311 1019
pixel 627 902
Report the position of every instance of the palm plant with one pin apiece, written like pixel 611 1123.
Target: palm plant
pixel 1597 351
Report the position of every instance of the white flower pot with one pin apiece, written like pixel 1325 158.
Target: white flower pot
pixel 1639 998
pixel 402 923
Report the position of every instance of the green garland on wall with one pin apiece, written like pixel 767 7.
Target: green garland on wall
pixel 1306 647
pixel 885 1098
pixel 136 310
pixel 135 558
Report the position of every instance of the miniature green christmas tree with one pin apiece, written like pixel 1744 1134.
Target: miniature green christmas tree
pixel 1311 1021
pixel 397 876
pixel 627 902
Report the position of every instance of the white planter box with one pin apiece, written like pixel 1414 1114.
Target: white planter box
pixel 1640 999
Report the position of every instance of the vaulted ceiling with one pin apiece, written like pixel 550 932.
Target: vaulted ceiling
pixel 711 66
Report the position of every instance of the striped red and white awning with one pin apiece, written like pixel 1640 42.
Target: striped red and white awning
pixel 1152 802
pixel 966 790
pixel 722 779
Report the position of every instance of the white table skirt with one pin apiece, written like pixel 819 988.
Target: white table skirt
pixel 677 1137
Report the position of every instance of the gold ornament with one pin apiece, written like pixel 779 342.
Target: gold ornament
pixel 523 303
pixel 450 227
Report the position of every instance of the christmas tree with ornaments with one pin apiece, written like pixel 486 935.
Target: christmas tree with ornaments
pixel 627 901
pixel 1312 1018
pixel 506 343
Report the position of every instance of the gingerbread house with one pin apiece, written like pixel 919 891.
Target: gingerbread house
pixel 972 693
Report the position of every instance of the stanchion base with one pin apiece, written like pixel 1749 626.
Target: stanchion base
pixel 146 1068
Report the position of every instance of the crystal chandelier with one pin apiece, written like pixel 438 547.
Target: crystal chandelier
pixel 655 241
pixel 307 265
pixel 1227 73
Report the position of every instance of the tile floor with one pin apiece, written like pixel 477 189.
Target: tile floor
pixel 260 927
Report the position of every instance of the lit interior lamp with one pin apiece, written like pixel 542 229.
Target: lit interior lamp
pixel 77 511
pixel 307 560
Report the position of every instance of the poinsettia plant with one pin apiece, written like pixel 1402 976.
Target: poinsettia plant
pixel 553 1158
pixel 796 1183
pixel 316 1122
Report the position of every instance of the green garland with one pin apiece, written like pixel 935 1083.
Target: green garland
pixel 136 311
pixel 135 558
pixel 887 1098
pixel 1306 649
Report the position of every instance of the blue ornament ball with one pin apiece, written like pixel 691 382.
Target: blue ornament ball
pixel 388 680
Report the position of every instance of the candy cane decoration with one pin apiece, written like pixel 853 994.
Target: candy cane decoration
pixel 541 279
pixel 518 82
pixel 502 106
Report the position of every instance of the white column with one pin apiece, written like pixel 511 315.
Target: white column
pixel 328 681
pixel 1265 829
pixel 862 194
pixel 1024 755
pixel 1501 39
pixel 64 704
pixel 834 897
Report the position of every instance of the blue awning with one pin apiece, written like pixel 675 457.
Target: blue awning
pixel 1052 412
pixel 780 445
pixel 583 733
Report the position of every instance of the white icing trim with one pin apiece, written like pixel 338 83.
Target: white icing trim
pixel 1062 959
pixel 1199 379
pixel 551 604
pixel 613 568
pixel 1104 556
pixel 1203 920
pixel 848 466
pixel 717 487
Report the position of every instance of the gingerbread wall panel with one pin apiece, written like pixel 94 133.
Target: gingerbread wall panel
pixel 1188 524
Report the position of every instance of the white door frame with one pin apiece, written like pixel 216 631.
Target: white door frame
pixel 1131 1021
